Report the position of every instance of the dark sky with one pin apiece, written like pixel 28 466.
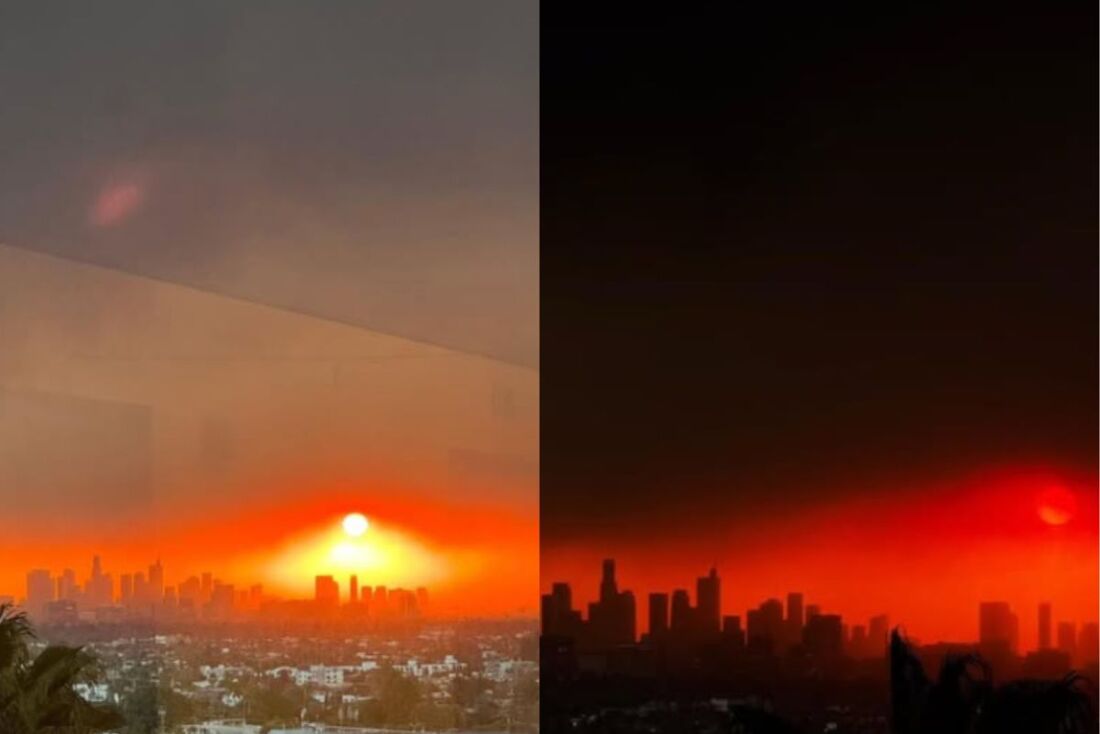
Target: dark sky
pixel 788 258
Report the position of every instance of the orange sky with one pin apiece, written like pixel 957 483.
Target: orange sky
pixel 140 419
pixel 488 554
pixel 925 556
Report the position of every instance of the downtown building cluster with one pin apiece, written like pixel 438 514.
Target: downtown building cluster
pixel 143 595
pixel 681 633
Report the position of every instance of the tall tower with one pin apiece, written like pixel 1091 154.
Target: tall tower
pixel 658 615
pixel 353 589
pixel 708 595
pixel 609 590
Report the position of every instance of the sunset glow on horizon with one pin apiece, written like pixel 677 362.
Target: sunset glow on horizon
pixel 925 557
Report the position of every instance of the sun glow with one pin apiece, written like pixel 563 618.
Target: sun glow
pixel 378 554
pixel 1056 506
pixel 355 524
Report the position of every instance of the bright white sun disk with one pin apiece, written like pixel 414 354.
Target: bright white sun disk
pixel 355 524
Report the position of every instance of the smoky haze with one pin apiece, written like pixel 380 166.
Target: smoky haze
pixel 371 163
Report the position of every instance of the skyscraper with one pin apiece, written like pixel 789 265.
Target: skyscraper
pixel 156 582
pixel 609 588
pixel 40 592
pixel 795 618
pixel 353 589
pixel 1044 625
pixel 326 592
pixel 681 612
pixel 612 619
pixel 1067 639
pixel 658 615
pixel 1088 643
pixel 878 633
pixel 997 628
pixel 709 603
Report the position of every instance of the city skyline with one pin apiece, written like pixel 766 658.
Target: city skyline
pixel 103 596
pixel 616 617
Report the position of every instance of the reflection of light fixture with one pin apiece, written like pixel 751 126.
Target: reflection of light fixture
pixel 355 524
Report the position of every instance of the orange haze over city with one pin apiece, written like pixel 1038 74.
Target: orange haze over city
pixel 476 560
pixel 926 556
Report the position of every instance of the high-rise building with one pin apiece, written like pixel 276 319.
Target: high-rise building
pixel 609 589
pixel 732 632
pixel 1088 643
pixel 765 628
pixel 612 619
pixel 141 595
pixel 353 589
pixel 191 590
pixel 326 591
pixel 381 601
pixel 795 616
pixel 681 620
pixel 878 635
pixel 156 581
pixel 422 599
pixel 658 615
pixel 125 588
pixel 559 619
pixel 67 586
pixel 823 636
pixel 812 610
pixel 998 629
pixel 857 643
pixel 99 589
pixel 1044 625
pixel 708 600
pixel 1067 639
pixel 40 592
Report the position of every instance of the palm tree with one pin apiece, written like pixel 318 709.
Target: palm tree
pixel 963 699
pixel 36 695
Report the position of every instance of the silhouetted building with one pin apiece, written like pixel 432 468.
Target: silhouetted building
pixel 765 629
pixel 1088 643
pixel 40 592
pixel 997 627
pixel 156 581
pixel 558 615
pixel 67 587
pixel 795 618
pixel 1044 625
pixel 658 615
pixel 732 633
pixel 326 592
pixel 381 600
pixel 878 634
pixel 1067 639
pixel 823 636
pixel 353 589
pixel 857 643
pixel 681 620
pixel 125 588
pixel 612 619
pixel 708 601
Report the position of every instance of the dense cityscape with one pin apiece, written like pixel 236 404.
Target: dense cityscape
pixel 204 657
pixel 812 665
pixel 62 599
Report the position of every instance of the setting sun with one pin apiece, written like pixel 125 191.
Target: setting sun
pixel 1056 506
pixel 355 524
